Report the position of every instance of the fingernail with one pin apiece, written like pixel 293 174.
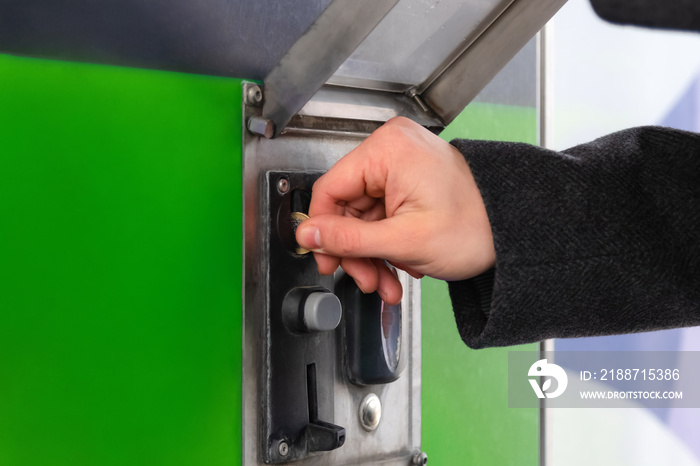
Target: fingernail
pixel 310 237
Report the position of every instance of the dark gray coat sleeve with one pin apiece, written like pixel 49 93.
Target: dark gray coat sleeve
pixel 599 239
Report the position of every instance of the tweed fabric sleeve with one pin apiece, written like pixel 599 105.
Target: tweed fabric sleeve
pixel 600 239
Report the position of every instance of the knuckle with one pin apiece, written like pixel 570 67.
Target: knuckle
pixel 392 131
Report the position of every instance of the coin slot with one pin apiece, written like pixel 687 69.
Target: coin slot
pixel 294 209
pixel 311 389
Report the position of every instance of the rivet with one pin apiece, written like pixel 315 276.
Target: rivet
pixel 283 185
pixel 370 412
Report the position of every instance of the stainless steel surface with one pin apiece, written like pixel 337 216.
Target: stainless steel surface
pixel 317 55
pixel 420 458
pixel 360 104
pixel 238 38
pixel 469 65
pixel 398 435
pixel 370 412
pixel 416 40
pixel 472 70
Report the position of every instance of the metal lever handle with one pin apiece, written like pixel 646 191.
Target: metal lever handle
pixel 320 435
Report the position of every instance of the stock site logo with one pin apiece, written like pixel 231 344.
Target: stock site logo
pixel 548 371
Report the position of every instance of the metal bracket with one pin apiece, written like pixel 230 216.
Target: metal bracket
pixel 313 59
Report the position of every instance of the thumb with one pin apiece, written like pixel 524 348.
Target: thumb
pixel 350 237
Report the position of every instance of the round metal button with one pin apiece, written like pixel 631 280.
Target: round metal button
pixel 370 412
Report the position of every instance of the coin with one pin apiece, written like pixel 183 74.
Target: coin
pixel 297 218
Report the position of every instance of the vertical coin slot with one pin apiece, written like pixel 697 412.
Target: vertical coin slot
pixel 311 389
pixel 294 209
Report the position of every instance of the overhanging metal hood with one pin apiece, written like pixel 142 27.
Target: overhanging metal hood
pixel 342 59
pixel 425 59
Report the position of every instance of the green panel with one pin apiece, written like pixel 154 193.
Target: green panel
pixel 121 259
pixel 465 414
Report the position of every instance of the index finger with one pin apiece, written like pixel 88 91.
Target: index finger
pixel 353 177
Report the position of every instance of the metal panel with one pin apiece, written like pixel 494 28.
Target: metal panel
pixel 219 37
pixel 398 436
pixel 120 278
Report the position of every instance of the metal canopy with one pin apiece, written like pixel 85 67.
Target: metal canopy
pixel 426 59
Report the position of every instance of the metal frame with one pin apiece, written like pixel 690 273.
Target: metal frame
pixel 452 90
pixel 314 58
pixel 545 89
pixel 366 105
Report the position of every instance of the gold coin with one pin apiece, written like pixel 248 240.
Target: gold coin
pixel 297 218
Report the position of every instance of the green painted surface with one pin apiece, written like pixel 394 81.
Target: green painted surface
pixel 120 278
pixel 465 414
pixel 120 266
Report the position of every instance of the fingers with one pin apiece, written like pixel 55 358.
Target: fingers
pixel 372 275
pixel 361 173
pixel 389 286
pixel 364 271
pixel 327 265
pixel 369 274
pixel 352 237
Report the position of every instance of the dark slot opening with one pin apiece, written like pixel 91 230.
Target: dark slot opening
pixel 311 390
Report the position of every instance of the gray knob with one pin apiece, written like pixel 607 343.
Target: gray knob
pixel 322 311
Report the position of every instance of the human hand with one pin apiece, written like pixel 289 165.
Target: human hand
pixel 405 196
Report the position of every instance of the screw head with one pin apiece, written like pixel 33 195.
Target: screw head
pixel 254 95
pixel 283 185
pixel 370 412
pixel 283 448
pixel 420 458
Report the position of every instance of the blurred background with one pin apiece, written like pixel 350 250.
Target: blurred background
pixel 604 78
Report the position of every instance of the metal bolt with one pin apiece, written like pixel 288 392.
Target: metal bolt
pixel 261 126
pixel 283 185
pixel 370 412
pixel 420 458
pixel 283 448
pixel 254 95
